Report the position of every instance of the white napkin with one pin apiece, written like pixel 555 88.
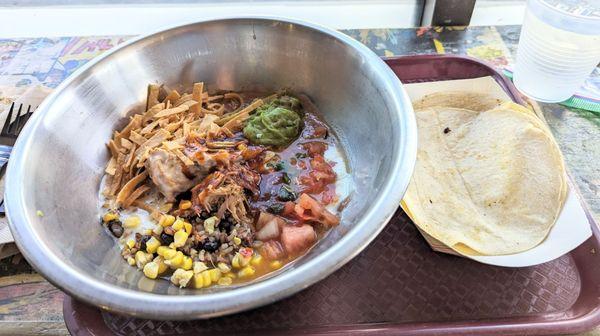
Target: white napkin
pixel 27 96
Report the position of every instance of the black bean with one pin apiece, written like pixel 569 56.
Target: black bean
pixel 210 245
pixel 166 239
pixel 143 242
pixel 115 227
pixel 226 225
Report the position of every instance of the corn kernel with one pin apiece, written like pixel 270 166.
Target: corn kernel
pixel 237 240
pixel 152 245
pixel 151 270
pixel 178 224
pixel 247 271
pixel 210 223
pixel 132 222
pixel 199 267
pixel 276 264
pixel 166 220
pixel 188 228
pixel 256 260
pixel 161 250
pixel 130 261
pixel 198 281
pixel 206 279
pixel 215 274
pixel 176 261
pixel 130 243
pixel 223 267
pixel 179 238
pixel 239 261
pixel 184 205
pixel 230 275
pixel 141 259
pixel 148 232
pixel 181 277
pixel 162 267
pixel 172 246
pixel 187 263
pixel 157 230
pixel 225 281
pixel 109 216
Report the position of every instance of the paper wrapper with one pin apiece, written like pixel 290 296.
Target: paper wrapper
pixel 32 96
pixel 572 226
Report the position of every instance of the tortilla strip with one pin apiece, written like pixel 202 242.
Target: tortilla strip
pixel 197 96
pixel 126 143
pixel 154 141
pixel 152 98
pixel 111 167
pixel 246 110
pixel 135 195
pixel 171 145
pixel 116 182
pixel 214 108
pixel 114 149
pixel 227 132
pixel 173 96
pixel 137 138
pixel 186 129
pixel 129 187
pixel 184 98
pixel 152 111
pixel 213 98
pixel 186 160
pixel 172 111
pixel 149 128
pixel 130 159
pixel 233 95
pixel 135 123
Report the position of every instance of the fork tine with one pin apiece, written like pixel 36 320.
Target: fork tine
pixel 25 118
pixel 12 129
pixel 8 119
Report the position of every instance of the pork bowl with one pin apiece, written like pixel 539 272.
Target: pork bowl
pixel 211 168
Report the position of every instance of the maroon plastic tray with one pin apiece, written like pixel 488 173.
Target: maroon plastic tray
pixel 399 286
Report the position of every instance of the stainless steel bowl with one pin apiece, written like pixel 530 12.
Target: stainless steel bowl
pixel 59 158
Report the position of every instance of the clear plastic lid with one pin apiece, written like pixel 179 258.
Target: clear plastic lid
pixel 578 16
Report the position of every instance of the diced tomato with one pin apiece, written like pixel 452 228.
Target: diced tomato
pixel 309 209
pixel 297 239
pixel 320 175
pixel 288 209
pixel 315 148
pixel 272 250
pixel 319 131
pixel 246 252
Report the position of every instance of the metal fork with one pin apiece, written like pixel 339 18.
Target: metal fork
pixel 8 136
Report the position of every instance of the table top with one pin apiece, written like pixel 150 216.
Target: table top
pixel 30 305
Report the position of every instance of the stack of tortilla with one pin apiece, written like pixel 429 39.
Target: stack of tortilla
pixel 489 179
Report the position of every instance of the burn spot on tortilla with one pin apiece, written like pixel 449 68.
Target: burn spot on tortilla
pixel 446 130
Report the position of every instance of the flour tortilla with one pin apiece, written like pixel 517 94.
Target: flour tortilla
pixel 460 99
pixel 488 182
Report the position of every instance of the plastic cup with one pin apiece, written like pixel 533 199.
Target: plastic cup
pixel 559 47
